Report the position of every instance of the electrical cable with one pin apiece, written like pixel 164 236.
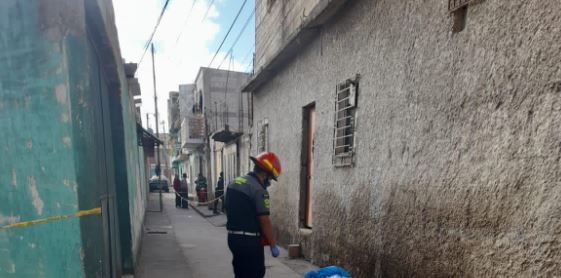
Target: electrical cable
pixel 154 31
pixel 228 33
pixel 238 38
pixel 207 10
pixel 186 21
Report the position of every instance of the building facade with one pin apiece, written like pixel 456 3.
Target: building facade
pixel 418 138
pixel 191 135
pixel 218 97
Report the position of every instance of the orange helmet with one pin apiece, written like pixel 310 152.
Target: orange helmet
pixel 269 162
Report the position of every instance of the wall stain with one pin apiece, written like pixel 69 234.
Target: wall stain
pixel 37 201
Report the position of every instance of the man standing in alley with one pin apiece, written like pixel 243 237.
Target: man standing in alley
pixel 184 192
pixel 177 189
pixel 247 209
pixel 219 193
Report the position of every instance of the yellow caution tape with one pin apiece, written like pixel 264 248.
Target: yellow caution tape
pixel 81 213
pixel 200 203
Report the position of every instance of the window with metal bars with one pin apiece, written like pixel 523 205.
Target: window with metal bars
pixel 345 119
pixel 263 136
pixel 454 5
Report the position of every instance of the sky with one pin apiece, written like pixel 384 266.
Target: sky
pixel 183 43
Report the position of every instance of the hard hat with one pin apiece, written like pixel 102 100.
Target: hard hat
pixel 270 162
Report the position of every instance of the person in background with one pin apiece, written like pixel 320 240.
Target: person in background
pixel 201 188
pixel 177 189
pixel 219 193
pixel 184 192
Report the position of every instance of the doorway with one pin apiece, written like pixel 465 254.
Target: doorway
pixel 307 169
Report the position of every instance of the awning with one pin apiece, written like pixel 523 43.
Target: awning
pixel 146 138
pixel 226 135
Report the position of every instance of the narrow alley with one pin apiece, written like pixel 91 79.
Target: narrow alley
pixel 182 243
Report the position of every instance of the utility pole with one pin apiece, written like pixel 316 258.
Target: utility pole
pixel 167 150
pixel 147 121
pixel 158 166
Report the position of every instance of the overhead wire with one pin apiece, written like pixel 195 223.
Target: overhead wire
pixel 186 21
pixel 228 33
pixel 207 10
pixel 238 37
pixel 247 55
pixel 176 44
pixel 147 45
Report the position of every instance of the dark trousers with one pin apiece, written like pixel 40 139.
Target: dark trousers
pixel 219 195
pixel 184 200
pixel 177 200
pixel 249 256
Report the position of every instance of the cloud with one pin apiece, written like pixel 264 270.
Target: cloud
pixel 177 61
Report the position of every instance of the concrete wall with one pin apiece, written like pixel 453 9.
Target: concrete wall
pixel 186 100
pixel 457 144
pixel 136 182
pixel 244 151
pixel 285 17
pixel 222 98
pixel 174 120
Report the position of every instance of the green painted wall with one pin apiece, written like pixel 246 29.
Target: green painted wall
pixel 38 177
pixel 137 183
pixel 131 183
pixel 69 142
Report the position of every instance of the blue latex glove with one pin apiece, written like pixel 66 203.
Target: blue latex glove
pixel 275 252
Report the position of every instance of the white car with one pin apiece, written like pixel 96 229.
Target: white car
pixel 154 183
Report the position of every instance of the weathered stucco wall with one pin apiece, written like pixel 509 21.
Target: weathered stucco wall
pixel 131 168
pixel 222 97
pixel 38 175
pixel 69 140
pixel 276 21
pixel 457 144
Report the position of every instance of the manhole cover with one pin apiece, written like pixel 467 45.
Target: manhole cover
pixel 157 232
pixel 157 228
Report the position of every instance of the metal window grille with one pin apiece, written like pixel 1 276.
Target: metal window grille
pixel 454 5
pixel 344 126
pixel 263 138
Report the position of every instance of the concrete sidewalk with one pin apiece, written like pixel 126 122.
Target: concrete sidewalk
pixel 196 247
pixel 160 253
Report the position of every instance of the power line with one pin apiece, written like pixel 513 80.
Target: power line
pixel 207 10
pixel 246 56
pixel 186 21
pixel 154 31
pixel 238 38
pixel 228 33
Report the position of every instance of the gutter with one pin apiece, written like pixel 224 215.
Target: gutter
pixel 308 30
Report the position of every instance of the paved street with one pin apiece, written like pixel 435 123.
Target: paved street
pixel 181 243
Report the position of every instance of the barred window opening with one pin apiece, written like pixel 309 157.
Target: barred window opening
pixel 344 127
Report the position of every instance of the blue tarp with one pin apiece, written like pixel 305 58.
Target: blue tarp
pixel 328 272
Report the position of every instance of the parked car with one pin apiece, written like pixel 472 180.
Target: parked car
pixel 154 184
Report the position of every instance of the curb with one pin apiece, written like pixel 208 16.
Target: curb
pixel 203 211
